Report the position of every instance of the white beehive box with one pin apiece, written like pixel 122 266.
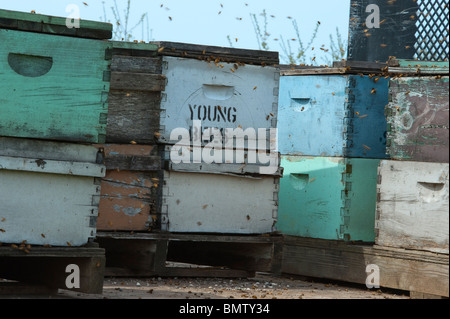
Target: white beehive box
pixel 49 193
pixel 219 203
pixel 413 205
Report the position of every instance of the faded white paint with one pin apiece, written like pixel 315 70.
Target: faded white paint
pixel 413 205
pixel 211 203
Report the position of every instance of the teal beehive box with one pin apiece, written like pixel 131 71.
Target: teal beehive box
pixel 331 198
pixel 54 80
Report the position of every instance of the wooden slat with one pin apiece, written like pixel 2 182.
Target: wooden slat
pixel 133 116
pixel 38 165
pixel 137 81
pixel 204 52
pixel 53 25
pixel 312 71
pixel 136 64
pixel 48 150
pixel 51 263
pixel 123 48
pixel 401 269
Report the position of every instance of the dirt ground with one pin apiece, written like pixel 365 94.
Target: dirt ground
pixel 262 286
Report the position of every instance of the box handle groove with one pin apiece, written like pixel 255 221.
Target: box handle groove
pixel 218 92
pixel 30 65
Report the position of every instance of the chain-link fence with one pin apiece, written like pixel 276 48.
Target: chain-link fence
pixel 432 30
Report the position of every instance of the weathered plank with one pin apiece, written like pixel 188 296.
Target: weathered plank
pixel 58 151
pixel 38 165
pixel 223 54
pixel 130 192
pixel 130 201
pixel 47 266
pixel 135 95
pixel 418 119
pixel 136 64
pixel 417 68
pixel 148 254
pixel 33 22
pixel 131 157
pixel 413 206
pixel 133 116
pixel 134 49
pixel 137 81
pixel 53 87
pixel 400 269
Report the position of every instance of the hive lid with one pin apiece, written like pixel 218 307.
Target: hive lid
pixel 223 54
pixel 31 22
pixel 338 67
pixel 390 68
pixel 134 48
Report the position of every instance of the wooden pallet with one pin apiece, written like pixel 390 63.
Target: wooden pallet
pixel 422 273
pixel 46 266
pixel 151 254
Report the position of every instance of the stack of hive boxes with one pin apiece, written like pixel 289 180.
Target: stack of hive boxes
pixel 332 136
pixel 170 107
pixel 412 201
pixel 53 107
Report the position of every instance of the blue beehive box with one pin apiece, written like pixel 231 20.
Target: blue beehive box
pixel 333 113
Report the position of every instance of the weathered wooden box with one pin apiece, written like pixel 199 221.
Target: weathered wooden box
pixel 413 205
pixel 196 202
pixel 157 90
pixel 330 198
pixel 132 190
pixel 418 120
pixel 135 94
pixel 130 193
pixel 54 80
pixel 332 112
pixel 49 192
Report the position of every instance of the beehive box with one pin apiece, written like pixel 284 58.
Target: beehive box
pixel 135 93
pixel 54 80
pixel 186 82
pixel 196 202
pixel 332 112
pixel 130 193
pixel 413 205
pixel 222 160
pixel 49 192
pixel 418 119
pixel 330 198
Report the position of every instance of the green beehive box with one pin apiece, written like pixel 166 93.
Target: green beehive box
pixel 54 81
pixel 331 198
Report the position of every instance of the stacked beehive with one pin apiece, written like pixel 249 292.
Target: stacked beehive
pixel 163 98
pixel 332 136
pixel 53 106
pixel 412 201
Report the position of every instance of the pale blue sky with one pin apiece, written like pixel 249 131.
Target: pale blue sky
pixel 199 21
